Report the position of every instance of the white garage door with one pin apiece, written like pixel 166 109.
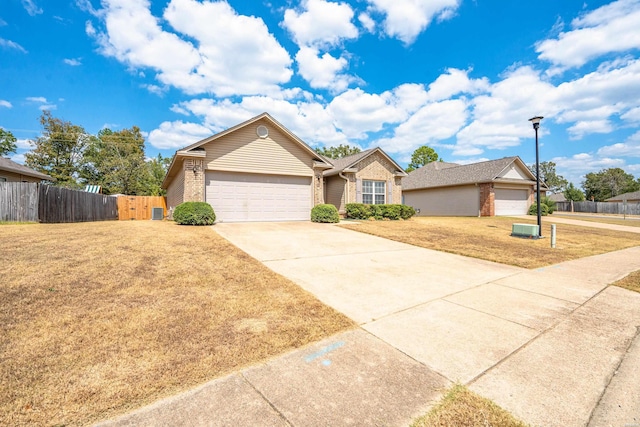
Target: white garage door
pixel 511 202
pixel 239 197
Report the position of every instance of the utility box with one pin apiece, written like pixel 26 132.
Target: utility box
pixel 157 214
pixel 524 230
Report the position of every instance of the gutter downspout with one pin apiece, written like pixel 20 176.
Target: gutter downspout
pixel 346 194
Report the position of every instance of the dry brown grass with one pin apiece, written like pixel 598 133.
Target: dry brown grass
pixel 489 238
pixel 463 408
pixel 631 282
pixel 99 318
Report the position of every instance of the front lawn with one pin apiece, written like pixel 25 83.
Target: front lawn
pixel 631 282
pixel 99 318
pixel 489 238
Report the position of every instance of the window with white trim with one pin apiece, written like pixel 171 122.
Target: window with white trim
pixel 373 192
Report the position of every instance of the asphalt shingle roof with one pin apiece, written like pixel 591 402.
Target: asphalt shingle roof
pixel 635 195
pixel 440 174
pixel 11 166
pixel 343 163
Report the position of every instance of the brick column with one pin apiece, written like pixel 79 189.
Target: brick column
pixel 487 200
pixel 194 180
pixel 318 187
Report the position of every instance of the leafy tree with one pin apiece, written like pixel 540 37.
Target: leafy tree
pixel 156 170
pixel 555 182
pixel 573 193
pixel 115 160
pixel 421 156
pixel 338 152
pixel 608 183
pixel 7 142
pixel 59 151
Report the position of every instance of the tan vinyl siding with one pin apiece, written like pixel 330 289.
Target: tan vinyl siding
pixel 175 191
pixel 447 201
pixel 336 192
pixel 243 151
pixel 16 177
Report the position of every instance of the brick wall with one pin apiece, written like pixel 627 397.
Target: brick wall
pixel 194 180
pixel 318 187
pixel 376 167
pixel 487 200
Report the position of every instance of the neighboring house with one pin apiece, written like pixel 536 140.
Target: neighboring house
pixel 497 187
pixel 11 171
pixel 255 171
pixel 370 176
pixel 633 197
pixel 557 197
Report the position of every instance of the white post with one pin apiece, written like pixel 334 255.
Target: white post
pixel 553 236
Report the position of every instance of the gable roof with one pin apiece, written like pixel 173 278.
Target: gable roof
pixel 557 197
pixel 634 195
pixel 339 165
pixel 11 166
pixel 194 149
pixel 440 174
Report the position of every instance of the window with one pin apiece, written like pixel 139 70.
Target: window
pixel 373 192
pixel 3 179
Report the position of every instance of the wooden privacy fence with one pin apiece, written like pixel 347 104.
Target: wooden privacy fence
pixel 614 208
pixel 140 207
pixel 18 201
pixel 58 204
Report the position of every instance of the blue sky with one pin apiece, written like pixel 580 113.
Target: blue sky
pixel 460 76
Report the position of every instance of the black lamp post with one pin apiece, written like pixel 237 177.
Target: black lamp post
pixel 536 124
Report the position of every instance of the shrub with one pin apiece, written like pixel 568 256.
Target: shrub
pixel 544 210
pixel 551 205
pixel 194 213
pixel 358 211
pixel 391 211
pixel 325 213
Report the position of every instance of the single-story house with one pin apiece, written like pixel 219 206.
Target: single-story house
pixel 633 197
pixel 370 176
pixel 258 170
pixel 496 187
pixel 557 197
pixel 11 171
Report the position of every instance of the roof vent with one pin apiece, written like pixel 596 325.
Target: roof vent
pixel 262 131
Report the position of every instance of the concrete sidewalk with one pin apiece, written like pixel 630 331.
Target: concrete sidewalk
pixel 544 343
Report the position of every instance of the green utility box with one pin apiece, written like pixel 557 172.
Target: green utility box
pixel 524 230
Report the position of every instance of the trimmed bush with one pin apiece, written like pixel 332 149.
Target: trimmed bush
pixel 551 205
pixel 390 212
pixel 194 213
pixel 544 210
pixel 325 213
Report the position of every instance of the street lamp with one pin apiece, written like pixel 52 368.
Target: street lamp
pixel 536 124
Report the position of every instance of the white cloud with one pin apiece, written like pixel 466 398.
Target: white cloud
pixel 367 22
pixel 320 24
pixel 31 7
pixel 2 22
pixel 322 72
pixel 630 148
pixel 455 82
pixel 44 104
pixel 433 122
pixel 582 128
pixel 74 62
pixel 11 45
pixel 178 134
pixel 405 19
pixel 155 89
pixel 633 115
pixel 5 104
pixel 610 28
pixel 575 167
pixel 90 29
pixel 230 54
pixel 24 144
pixel 19 158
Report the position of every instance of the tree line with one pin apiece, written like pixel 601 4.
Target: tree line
pixel 597 186
pixel 115 160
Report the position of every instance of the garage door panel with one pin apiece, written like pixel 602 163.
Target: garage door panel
pixel 255 197
pixel 511 201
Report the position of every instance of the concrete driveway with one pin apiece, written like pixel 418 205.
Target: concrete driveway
pixel 545 344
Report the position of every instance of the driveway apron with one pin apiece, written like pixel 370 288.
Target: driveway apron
pixel 544 343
